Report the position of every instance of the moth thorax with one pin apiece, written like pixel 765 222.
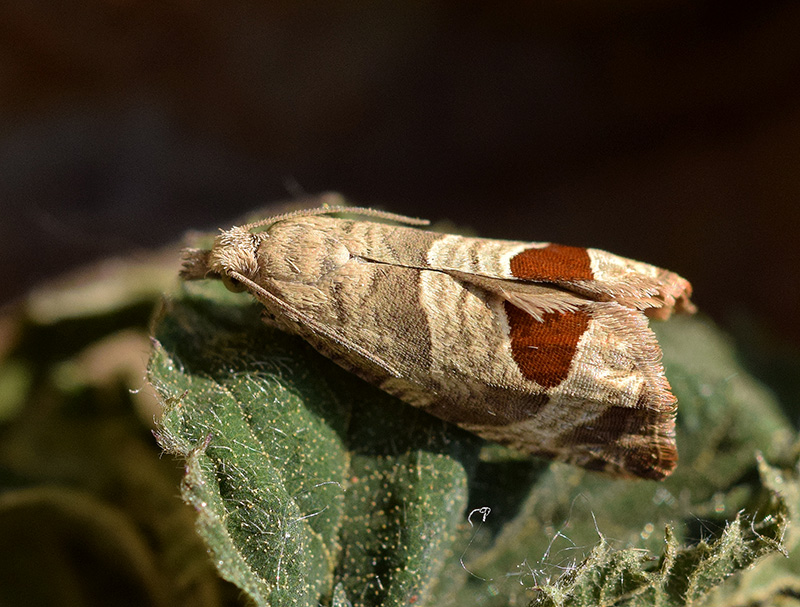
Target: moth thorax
pixel 235 250
pixel 301 253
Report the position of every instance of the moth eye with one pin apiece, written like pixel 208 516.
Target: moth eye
pixel 232 284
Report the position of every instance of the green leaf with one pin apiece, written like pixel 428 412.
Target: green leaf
pixel 685 575
pixel 88 509
pixel 311 487
pixel 301 477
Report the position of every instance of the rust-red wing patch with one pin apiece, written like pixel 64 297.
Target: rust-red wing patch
pixel 544 350
pixel 554 263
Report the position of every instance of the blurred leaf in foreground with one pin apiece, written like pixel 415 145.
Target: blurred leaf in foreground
pixel 88 510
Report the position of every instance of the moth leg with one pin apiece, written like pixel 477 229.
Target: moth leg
pixel 272 320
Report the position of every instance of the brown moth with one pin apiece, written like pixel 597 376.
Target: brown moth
pixel 539 346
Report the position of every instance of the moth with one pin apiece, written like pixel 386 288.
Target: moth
pixel 538 346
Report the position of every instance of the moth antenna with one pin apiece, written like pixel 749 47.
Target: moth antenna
pixel 364 211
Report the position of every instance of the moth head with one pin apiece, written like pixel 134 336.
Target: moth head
pixel 234 252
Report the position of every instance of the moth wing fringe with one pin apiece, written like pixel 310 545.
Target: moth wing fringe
pixel 644 348
pixel 646 448
pixel 534 298
pixel 659 297
pixel 539 304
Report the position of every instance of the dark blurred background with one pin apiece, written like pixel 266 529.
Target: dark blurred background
pixel 667 131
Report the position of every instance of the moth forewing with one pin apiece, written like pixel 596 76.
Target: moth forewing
pixel 307 326
pixel 539 346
